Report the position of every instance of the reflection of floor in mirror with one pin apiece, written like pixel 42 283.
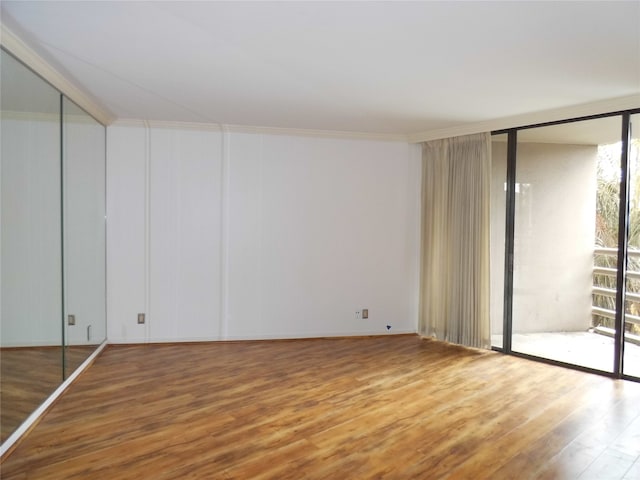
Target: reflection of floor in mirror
pixel 28 376
pixel 77 354
pixel 586 349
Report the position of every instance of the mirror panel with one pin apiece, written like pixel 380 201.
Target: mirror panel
pixel 31 249
pixel 83 147
pixel 52 202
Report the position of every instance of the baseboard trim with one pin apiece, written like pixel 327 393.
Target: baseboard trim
pixel 235 338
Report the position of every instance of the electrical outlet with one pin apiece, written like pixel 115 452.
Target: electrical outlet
pixel 71 319
pixel 365 313
pixel 358 315
pixel 141 318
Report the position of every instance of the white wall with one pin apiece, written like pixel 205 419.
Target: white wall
pixel 244 235
pixel 184 234
pixel 126 232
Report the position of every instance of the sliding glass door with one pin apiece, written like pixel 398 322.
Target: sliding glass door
pixel 631 330
pixel 566 219
pixel 570 219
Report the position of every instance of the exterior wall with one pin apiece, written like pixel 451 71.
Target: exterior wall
pixel 554 237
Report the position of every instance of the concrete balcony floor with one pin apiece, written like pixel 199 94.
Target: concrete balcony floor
pixel 586 349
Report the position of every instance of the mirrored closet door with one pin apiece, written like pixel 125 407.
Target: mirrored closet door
pixel 83 180
pixel 52 240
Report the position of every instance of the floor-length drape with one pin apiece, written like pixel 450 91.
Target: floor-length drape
pixel 454 284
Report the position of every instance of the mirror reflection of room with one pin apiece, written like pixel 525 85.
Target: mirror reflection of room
pixel 83 167
pixel 52 240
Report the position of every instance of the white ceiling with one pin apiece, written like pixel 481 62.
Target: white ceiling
pixel 378 67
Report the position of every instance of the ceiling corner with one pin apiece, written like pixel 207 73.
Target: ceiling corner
pixel 13 44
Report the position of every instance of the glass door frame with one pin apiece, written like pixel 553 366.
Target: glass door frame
pixel 623 229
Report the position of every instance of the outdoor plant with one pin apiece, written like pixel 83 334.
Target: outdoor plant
pixel 607 219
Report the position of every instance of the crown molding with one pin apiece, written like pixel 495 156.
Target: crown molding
pixel 13 44
pixel 129 122
pixel 31 116
pixel 565 113
pixel 140 123
pixel 296 132
pixel 184 125
pixel 300 132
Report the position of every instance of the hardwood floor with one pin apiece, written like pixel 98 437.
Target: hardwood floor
pixel 394 407
pixel 28 376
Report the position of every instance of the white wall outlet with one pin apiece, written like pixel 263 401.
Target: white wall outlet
pixel 358 315
pixel 141 318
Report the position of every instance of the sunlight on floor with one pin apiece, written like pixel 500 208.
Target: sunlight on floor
pixel 581 348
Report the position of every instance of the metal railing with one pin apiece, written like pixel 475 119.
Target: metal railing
pixel 598 290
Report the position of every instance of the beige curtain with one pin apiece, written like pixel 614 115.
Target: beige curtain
pixel 454 284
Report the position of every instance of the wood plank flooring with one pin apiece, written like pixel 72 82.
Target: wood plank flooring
pixel 395 407
pixel 28 376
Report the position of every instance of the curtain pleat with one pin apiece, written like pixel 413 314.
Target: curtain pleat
pixel 454 287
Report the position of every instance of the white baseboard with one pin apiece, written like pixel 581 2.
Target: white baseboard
pixel 302 336
pixel 275 336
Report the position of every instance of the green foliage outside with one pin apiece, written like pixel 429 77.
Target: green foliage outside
pixel 607 214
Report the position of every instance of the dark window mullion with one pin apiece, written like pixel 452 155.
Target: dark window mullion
pixel 623 244
pixel 512 145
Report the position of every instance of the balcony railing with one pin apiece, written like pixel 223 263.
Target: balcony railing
pixel 632 297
